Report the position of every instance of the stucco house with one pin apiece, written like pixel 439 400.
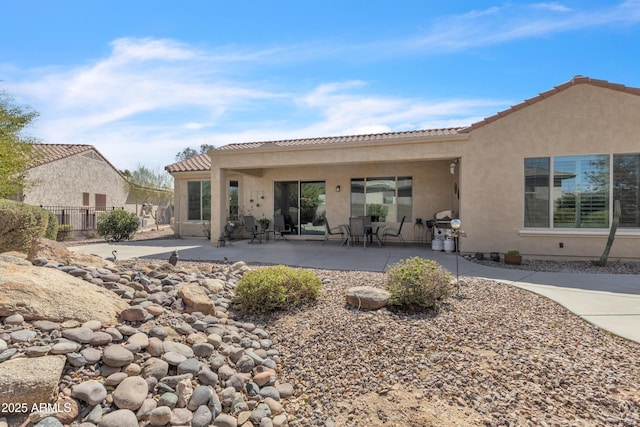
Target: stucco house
pixel 75 181
pixel 540 177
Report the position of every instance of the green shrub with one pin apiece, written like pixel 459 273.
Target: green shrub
pixel 273 288
pixel 418 284
pixel 117 225
pixel 51 232
pixel 42 217
pixel 65 232
pixel 20 225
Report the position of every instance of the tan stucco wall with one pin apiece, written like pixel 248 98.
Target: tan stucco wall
pixel 181 226
pixel 583 119
pixel 62 182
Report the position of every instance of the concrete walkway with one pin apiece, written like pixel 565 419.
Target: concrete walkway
pixel 609 301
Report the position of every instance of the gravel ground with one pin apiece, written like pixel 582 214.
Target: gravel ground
pixel 495 355
pixel 612 267
pixel 498 355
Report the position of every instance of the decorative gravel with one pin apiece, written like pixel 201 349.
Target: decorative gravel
pixel 612 267
pixel 496 355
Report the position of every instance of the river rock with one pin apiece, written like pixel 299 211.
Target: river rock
pixel 91 392
pixel 130 393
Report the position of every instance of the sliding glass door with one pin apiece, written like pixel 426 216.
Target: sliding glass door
pixel 302 204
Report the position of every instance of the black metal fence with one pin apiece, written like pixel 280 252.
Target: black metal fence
pixel 75 221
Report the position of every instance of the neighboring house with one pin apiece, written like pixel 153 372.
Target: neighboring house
pixel 75 181
pixel 74 175
pixel 540 177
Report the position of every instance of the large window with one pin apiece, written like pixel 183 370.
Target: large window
pixel 581 191
pixel 536 192
pixel 626 188
pixel 199 200
pixel 580 196
pixel 386 199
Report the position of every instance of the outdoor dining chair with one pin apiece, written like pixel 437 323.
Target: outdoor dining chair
pixel 394 232
pixel 280 227
pixel 252 230
pixel 341 230
pixel 357 230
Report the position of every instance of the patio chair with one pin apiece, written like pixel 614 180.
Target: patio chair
pixel 254 232
pixel 393 232
pixel 357 230
pixel 371 233
pixel 280 227
pixel 341 230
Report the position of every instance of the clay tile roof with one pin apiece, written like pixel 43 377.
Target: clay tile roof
pixel 575 81
pixel 201 162
pixel 341 139
pixel 47 153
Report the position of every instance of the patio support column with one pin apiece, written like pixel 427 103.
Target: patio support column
pixel 218 202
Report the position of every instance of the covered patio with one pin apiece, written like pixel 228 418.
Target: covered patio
pixel 314 182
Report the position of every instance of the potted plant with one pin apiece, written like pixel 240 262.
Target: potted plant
pixel 513 257
pixel 377 212
pixel 264 223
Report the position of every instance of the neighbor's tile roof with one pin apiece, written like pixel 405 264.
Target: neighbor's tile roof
pixel 342 139
pixel 557 89
pixel 47 153
pixel 198 163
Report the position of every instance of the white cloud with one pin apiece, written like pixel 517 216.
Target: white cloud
pixel 514 21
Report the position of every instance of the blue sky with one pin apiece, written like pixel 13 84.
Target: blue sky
pixel 141 80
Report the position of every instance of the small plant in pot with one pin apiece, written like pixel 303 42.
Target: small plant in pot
pixel 264 223
pixel 513 257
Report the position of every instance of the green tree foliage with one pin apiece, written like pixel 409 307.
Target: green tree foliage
pixel 190 152
pixel 15 146
pixel 150 187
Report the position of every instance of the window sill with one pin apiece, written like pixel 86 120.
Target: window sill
pixel 577 232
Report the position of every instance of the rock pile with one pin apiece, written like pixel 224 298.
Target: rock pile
pixel 176 356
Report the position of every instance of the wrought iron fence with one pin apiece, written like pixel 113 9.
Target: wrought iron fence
pixel 75 221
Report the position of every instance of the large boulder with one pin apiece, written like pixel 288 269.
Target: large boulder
pixel 48 294
pixel 56 251
pixel 195 299
pixel 367 297
pixel 30 380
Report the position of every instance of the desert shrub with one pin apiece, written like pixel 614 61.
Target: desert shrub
pixel 20 225
pixel 274 288
pixel 117 225
pixel 42 218
pixel 65 232
pixel 51 232
pixel 418 284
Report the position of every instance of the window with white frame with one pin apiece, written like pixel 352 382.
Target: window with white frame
pixel 199 200
pixel 577 191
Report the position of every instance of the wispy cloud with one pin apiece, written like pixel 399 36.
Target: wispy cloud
pixel 515 21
